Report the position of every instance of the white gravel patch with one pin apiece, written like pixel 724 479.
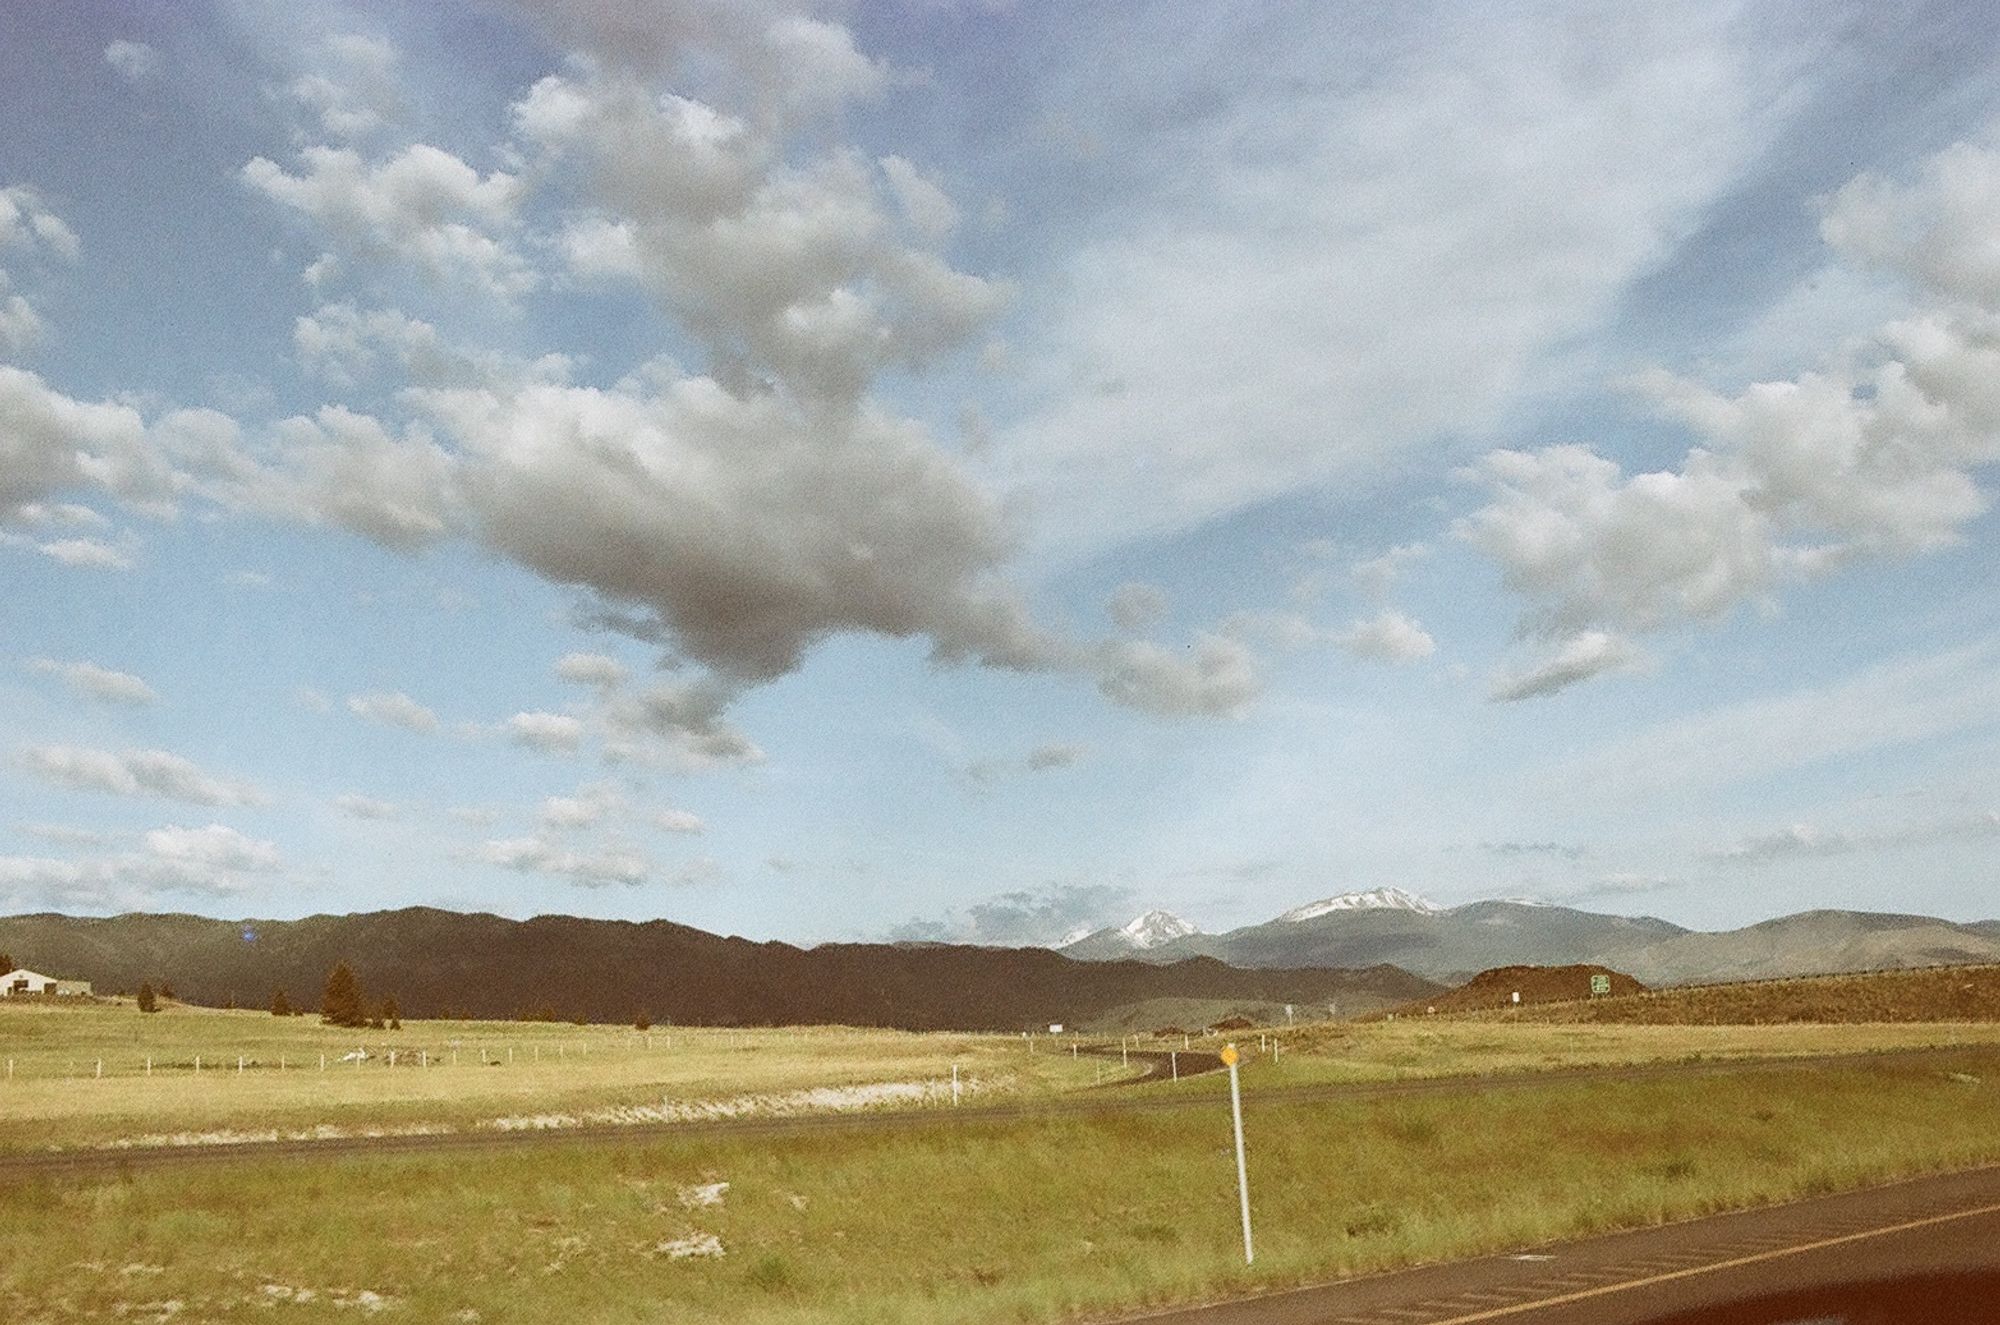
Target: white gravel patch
pixel 776 1104
pixel 702 1194
pixel 693 1246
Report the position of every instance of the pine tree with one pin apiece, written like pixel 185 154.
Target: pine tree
pixel 280 1005
pixel 6 962
pixel 341 1004
pixel 147 1003
pixel 392 1014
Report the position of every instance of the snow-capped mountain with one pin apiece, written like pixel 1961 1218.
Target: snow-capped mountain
pixel 1375 899
pixel 1157 927
pixel 1152 930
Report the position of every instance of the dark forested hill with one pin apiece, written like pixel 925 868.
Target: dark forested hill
pixel 435 962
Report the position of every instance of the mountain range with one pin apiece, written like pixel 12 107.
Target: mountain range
pixel 437 963
pixel 1449 944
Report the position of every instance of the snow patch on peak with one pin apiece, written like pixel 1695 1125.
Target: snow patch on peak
pixel 1156 927
pixel 1375 899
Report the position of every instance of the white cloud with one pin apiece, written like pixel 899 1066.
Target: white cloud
pixel 135 773
pixel 20 325
pixel 210 850
pixel 86 553
pixel 551 733
pixel 353 91
pixel 1378 574
pixel 1212 677
pixel 926 206
pixel 356 806
pixel 1583 655
pixel 421 206
pixel 50 443
pixel 93 682
pixel 214 861
pixel 773 249
pixel 590 805
pixel 135 61
pixel 592 669
pixel 592 869
pixel 1390 637
pixel 1937 230
pixel 1878 453
pixel 679 821
pixel 26 224
pixel 348 469
pixel 393 709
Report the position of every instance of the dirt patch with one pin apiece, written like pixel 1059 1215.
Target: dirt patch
pixel 1936 993
pixel 1535 984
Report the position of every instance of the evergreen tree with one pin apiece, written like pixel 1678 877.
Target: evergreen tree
pixel 280 1005
pixel 147 1003
pixel 341 1004
pixel 392 1014
pixel 6 962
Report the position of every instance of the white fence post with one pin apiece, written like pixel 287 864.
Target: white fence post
pixel 1242 1171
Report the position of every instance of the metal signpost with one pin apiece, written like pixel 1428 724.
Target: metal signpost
pixel 1229 1060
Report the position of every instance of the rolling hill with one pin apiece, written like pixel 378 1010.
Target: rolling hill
pixel 436 961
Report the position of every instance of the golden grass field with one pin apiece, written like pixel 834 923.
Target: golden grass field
pixel 450 1075
pixel 1054 1217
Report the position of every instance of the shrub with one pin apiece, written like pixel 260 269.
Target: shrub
pixel 147 1002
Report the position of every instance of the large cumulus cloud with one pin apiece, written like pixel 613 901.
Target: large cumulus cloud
pixel 1878 453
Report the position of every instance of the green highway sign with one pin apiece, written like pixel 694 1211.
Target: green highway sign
pixel 1599 984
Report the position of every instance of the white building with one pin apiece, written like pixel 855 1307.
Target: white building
pixel 30 982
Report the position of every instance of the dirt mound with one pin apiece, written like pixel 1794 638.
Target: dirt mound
pixel 1535 984
pixel 1946 993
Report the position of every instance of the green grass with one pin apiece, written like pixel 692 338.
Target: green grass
pixel 936 1223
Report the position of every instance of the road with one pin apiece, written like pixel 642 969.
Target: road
pixel 1927 1250
pixel 1098 1101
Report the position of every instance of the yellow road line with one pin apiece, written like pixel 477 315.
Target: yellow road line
pixel 1582 1294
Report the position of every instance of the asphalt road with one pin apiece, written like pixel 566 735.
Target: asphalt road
pixel 1105 1100
pixel 1926 1250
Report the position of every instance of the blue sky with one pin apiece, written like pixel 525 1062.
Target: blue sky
pixel 978 470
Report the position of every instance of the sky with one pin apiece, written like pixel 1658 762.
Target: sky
pixel 976 471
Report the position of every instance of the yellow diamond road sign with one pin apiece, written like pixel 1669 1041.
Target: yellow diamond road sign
pixel 1229 1055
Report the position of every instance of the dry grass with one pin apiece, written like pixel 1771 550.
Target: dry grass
pixel 1441 1046
pixel 936 1224
pixel 451 1075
